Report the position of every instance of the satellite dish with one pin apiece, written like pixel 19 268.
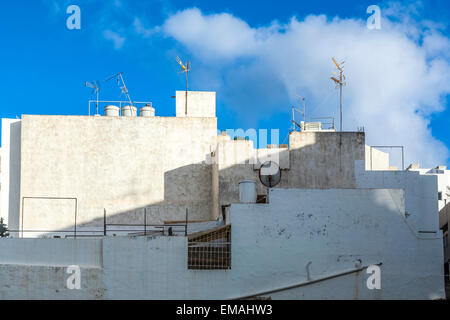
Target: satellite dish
pixel 270 174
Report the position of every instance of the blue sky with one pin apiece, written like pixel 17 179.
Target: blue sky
pixel 44 65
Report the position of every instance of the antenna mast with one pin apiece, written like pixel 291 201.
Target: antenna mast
pixel 304 107
pixel 339 83
pixel 302 112
pixel 123 87
pixel 95 85
pixel 185 69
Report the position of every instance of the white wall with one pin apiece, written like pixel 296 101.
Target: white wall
pixel 272 244
pixel 123 164
pixel 421 192
pixel 51 252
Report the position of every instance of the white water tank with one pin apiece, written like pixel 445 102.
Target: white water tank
pixel 147 111
pixel 129 111
pixel 111 111
pixel 247 191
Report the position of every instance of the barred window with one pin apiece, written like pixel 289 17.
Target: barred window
pixel 210 249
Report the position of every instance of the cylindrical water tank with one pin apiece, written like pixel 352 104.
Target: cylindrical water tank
pixel 147 111
pixel 247 191
pixel 111 111
pixel 129 111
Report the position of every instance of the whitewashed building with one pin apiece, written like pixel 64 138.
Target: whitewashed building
pixel 149 207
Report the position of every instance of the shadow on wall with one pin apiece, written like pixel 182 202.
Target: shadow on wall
pixel 178 196
pixel 202 189
pixel 14 171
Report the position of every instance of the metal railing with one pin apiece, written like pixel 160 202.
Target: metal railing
pixel 149 103
pixel 143 228
pixel 389 147
pixel 135 228
pixel 327 122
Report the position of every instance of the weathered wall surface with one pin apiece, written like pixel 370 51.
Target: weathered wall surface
pixel 295 238
pixel 44 283
pixel 37 268
pixel 126 164
pixel 235 161
pixel 350 227
pixel 122 164
pixel 314 160
pixel 321 160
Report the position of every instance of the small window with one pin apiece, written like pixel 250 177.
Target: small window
pixel 261 198
pixel 440 195
pixel 210 249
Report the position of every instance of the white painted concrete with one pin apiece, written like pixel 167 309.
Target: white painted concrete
pixel 126 164
pixel 51 252
pixel 321 160
pixel 278 155
pixel 314 160
pixel 295 238
pixel 333 229
pixel 421 192
pixel 123 164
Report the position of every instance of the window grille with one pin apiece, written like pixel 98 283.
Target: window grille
pixel 210 249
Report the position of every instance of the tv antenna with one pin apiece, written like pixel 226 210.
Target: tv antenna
pixel 95 85
pixel 185 68
pixel 340 81
pixel 122 86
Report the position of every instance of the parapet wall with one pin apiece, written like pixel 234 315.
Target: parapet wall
pixel 322 160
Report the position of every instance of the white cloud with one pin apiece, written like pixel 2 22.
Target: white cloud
pixel 213 36
pixel 116 38
pixel 397 76
pixel 140 29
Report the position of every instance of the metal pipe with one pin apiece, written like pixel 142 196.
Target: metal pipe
pixel 76 206
pixel 307 282
pixel 104 222
pixel 185 226
pixel 119 102
pixel 187 77
pixel 340 102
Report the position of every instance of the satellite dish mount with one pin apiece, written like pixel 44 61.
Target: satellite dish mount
pixel 269 174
